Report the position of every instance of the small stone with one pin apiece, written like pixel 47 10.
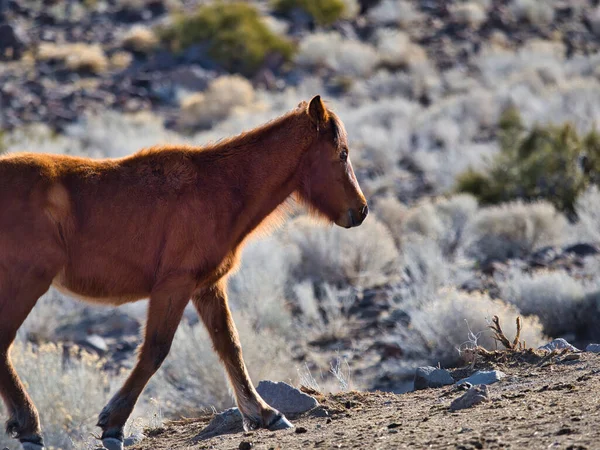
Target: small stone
pixel 134 439
pixel 285 398
pixel 96 343
pixel 319 412
pixel 594 348
pixel 483 377
pixel 558 344
pixel 393 425
pixel 472 397
pixel 229 421
pixel 245 445
pixel 300 430
pixel 432 377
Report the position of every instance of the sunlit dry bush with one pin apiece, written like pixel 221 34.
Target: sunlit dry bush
pixel 259 287
pixel 588 213
pixel 442 220
pixel 140 39
pixel 555 297
pixel 79 57
pixel 455 320
pixel 391 212
pixel 536 61
pixel 513 230
pixel 472 14
pixel 364 256
pixel 324 309
pixel 192 378
pixel 455 212
pixel 69 390
pixel 395 12
pixel 223 96
pixel 51 310
pixel 342 56
pixel 379 136
pixel 424 272
pixel 396 50
pixel 534 12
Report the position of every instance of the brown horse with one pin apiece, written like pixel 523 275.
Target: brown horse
pixel 165 223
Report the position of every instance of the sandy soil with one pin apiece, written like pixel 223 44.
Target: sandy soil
pixel 542 403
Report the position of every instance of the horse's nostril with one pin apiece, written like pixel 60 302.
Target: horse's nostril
pixel 364 211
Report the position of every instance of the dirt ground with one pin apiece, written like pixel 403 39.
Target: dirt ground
pixel 543 403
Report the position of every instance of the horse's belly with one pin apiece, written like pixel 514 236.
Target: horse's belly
pixel 101 287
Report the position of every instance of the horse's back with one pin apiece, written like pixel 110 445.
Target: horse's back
pixel 120 223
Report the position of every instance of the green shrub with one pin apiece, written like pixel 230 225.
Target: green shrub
pixel 547 162
pixel 323 12
pixel 234 33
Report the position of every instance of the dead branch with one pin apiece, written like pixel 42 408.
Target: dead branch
pixel 499 334
pixel 516 342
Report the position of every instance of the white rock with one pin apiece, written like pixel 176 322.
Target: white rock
pixel 483 377
pixel 558 344
pixel 594 348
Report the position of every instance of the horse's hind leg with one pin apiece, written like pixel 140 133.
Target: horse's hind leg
pixel 213 309
pixel 19 291
pixel 167 302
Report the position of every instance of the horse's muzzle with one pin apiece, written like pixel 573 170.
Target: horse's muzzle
pixel 353 218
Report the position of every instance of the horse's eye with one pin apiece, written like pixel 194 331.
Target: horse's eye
pixel 344 155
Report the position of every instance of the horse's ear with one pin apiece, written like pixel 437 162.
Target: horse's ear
pixel 317 111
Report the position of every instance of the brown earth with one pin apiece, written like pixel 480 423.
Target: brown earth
pixel 541 403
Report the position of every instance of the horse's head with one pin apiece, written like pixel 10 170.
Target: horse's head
pixel 328 184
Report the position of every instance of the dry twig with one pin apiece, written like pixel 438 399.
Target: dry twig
pixel 501 337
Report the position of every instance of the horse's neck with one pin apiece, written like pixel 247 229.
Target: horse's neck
pixel 269 165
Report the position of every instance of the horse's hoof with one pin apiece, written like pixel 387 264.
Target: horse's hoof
pixel 31 446
pixel 281 424
pixel 112 444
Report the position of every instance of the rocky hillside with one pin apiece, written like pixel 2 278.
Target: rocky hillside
pixel 539 403
pixel 64 58
pixel 472 127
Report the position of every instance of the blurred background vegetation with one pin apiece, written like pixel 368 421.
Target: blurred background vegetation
pixel 473 132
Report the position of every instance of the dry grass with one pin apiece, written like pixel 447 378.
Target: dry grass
pixel 223 97
pixel 140 39
pixel 471 14
pixel 587 211
pixel 259 287
pixel 330 51
pixel 402 13
pixel 391 212
pixel 555 297
pixel 456 320
pixel 78 57
pixel 397 51
pixel 513 230
pixel 69 390
pixel 365 256
pixel 533 11
pixel 324 310
pixel 192 378
pixel 120 60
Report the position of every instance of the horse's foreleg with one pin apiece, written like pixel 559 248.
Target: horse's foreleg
pixel 166 306
pixel 213 309
pixel 19 291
